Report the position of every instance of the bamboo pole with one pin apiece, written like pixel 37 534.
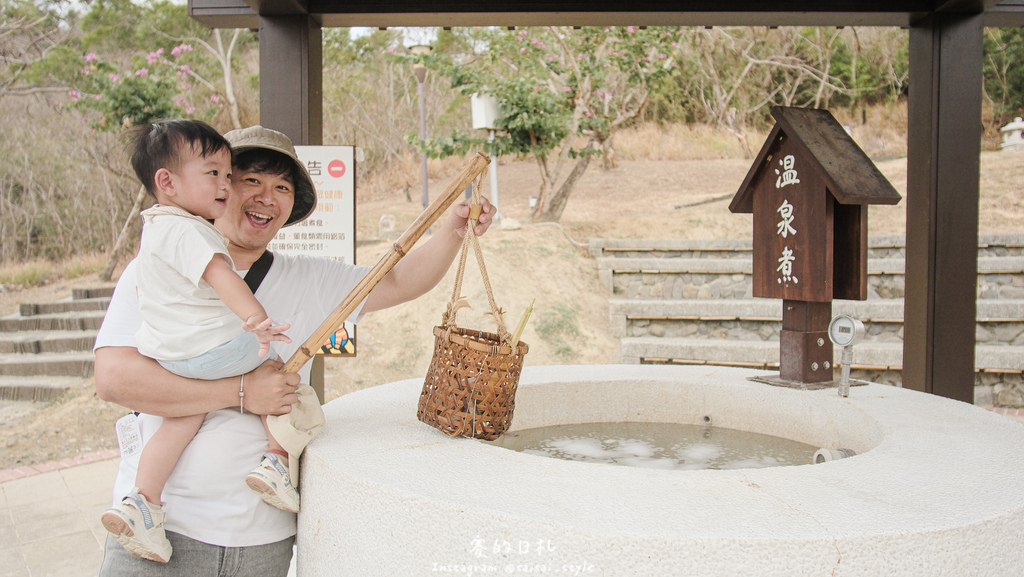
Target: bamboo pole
pixel 403 245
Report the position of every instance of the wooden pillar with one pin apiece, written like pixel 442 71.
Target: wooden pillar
pixel 942 204
pixel 316 377
pixel 805 351
pixel 292 96
pixel 291 77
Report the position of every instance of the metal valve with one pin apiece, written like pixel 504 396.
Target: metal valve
pixel 845 331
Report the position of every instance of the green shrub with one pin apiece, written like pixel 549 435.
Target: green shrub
pixel 83 264
pixel 28 274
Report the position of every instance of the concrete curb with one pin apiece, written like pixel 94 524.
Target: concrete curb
pixel 29 470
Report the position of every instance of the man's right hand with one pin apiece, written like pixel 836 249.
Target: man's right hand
pixel 269 390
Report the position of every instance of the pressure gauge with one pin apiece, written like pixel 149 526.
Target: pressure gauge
pixel 845 331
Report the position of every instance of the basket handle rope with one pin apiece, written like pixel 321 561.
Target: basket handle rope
pixel 403 245
pixel 458 301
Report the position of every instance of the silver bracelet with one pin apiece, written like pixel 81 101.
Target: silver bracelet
pixel 241 394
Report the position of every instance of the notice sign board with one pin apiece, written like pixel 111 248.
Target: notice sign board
pixel 330 231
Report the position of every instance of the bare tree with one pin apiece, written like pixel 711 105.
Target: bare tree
pixel 740 70
pixel 618 97
pixel 62 188
pixel 25 40
pixel 224 56
pixel 123 236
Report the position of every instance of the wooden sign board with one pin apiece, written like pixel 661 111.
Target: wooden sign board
pixel 792 229
pixel 809 189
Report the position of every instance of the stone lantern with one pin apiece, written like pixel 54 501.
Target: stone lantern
pixel 1013 135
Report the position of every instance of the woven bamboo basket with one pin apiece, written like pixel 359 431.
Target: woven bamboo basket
pixel 470 387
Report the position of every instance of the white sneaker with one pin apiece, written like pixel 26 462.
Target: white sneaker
pixel 139 526
pixel 271 481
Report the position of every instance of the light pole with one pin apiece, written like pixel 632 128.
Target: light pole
pixel 486 113
pixel 421 74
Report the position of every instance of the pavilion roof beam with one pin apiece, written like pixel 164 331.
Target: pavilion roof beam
pixel 348 13
pixel 1008 13
pixel 223 13
pixel 609 12
pixel 965 6
pixel 280 7
pixel 618 18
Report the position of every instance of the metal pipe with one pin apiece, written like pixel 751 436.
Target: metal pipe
pixel 494 182
pixel 844 381
pixel 421 75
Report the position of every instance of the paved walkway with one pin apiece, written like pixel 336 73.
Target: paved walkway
pixel 50 514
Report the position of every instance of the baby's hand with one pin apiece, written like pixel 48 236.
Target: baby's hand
pixel 265 332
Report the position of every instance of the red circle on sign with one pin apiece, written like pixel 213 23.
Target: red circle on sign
pixel 336 168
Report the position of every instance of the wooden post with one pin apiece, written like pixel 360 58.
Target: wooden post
pixel 291 76
pixel 942 205
pixel 316 378
pixel 805 351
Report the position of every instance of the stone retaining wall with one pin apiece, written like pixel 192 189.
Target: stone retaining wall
pixel 989 333
pixel 683 286
pixel 879 246
pixel 737 285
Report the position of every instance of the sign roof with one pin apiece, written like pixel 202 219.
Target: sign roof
pixel 849 174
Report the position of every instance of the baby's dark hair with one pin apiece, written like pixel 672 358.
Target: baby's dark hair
pixel 265 161
pixel 165 144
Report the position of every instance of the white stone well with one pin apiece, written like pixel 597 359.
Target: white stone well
pixel 936 487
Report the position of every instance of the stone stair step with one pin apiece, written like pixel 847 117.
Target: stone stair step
pixel 64 306
pixel 81 321
pixel 879 246
pixel 677 265
pixel 722 278
pixel 999 321
pixel 34 342
pixel 105 291
pixel 36 388
pixel 74 364
pixel 762 354
pixel 670 248
pixel 758 308
pixel 876 266
pixel 866 355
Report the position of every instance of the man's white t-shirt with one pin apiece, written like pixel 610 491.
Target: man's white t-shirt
pixel 206 495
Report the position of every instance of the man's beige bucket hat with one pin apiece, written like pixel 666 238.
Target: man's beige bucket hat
pixel 243 139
